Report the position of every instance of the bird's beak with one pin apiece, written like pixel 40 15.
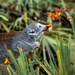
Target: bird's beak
pixel 49 26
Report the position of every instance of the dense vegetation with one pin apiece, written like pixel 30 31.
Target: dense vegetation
pixel 56 53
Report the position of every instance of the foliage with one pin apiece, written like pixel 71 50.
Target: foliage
pixel 64 65
pixel 22 65
pixel 15 15
pixel 56 53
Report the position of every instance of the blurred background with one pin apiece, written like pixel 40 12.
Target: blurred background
pixel 16 14
pixel 56 54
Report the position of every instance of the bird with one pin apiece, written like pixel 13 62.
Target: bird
pixel 26 39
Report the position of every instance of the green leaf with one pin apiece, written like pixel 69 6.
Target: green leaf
pixel 0 73
pixel 14 61
pixel 43 67
pixel 10 69
pixel 5 27
pixel 25 18
pixel 31 67
pixel 4 18
pixel 22 67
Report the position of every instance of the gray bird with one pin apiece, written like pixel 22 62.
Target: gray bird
pixel 27 39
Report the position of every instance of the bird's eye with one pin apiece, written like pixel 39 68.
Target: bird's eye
pixel 39 25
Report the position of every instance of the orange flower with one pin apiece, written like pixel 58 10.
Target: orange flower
pixel 6 61
pixel 57 15
pixel 49 25
pixel 50 15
